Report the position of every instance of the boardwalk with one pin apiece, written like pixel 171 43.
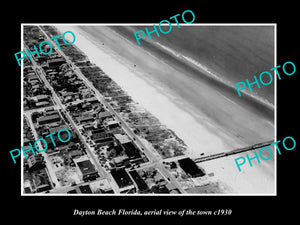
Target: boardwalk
pixel 236 151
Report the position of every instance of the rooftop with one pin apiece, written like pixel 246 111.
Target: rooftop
pixel 86 167
pixel 122 138
pixel 121 177
pixel 85 189
pixel 55 117
pixel 190 167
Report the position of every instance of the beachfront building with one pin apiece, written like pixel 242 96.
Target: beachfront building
pixel 87 170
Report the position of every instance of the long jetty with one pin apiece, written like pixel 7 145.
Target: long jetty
pixel 236 151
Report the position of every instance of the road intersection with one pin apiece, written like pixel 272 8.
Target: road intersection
pixel 155 160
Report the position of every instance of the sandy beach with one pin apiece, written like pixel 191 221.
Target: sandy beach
pixel 258 179
pixel 205 119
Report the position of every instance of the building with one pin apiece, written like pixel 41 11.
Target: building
pixel 93 100
pixel 75 153
pixel 112 124
pixel 86 93
pixel 85 189
pixel 34 82
pixel 191 168
pixel 41 98
pixel 26 141
pixel 160 189
pixel 119 161
pixel 122 179
pixel 73 191
pixel 37 86
pixel 49 109
pixel 131 150
pixel 70 94
pixel 48 119
pixel 87 170
pixel 141 184
pixel 48 113
pixel 41 181
pixel 170 187
pixel 88 127
pixel 98 133
pixel 55 63
pixel 122 138
pixel 85 119
pixel 42 104
pixel 101 186
pixel 104 115
pixel 27 187
pixel 63 135
pixel 35 162
pixel 42 58
pixel 104 141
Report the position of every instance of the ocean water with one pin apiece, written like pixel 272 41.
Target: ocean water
pixel 232 53
pixel 220 56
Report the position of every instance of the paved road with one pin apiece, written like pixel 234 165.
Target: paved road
pixel 49 168
pixel 56 99
pixel 151 154
pixel 149 151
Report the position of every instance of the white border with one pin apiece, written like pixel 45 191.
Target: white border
pixel 151 24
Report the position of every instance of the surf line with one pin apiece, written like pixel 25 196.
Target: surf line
pixel 142 35
pixel 263 82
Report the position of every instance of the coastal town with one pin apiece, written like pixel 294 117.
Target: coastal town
pixel 115 146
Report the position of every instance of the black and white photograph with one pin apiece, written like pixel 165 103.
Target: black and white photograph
pixel 149 113
pixel 162 117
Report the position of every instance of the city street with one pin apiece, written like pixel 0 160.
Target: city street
pixel 155 159
pixel 49 168
pixel 56 99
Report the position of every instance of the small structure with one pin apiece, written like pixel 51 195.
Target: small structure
pixel 191 168
pixel 92 100
pixel 48 119
pixel 112 124
pixel 122 138
pixel 131 150
pixel 104 115
pixel 104 141
pixel 141 184
pixel 35 162
pixel 55 63
pixel 87 170
pixel 101 186
pixel 41 98
pixel 85 189
pixel 85 119
pixel 41 181
pixel 42 104
pixel 122 179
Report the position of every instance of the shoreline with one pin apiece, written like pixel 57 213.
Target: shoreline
pixel 210 72
pixel 206 104
pixel 209 138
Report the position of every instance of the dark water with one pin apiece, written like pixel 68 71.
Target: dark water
pixel 210 97
pixel 233 53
